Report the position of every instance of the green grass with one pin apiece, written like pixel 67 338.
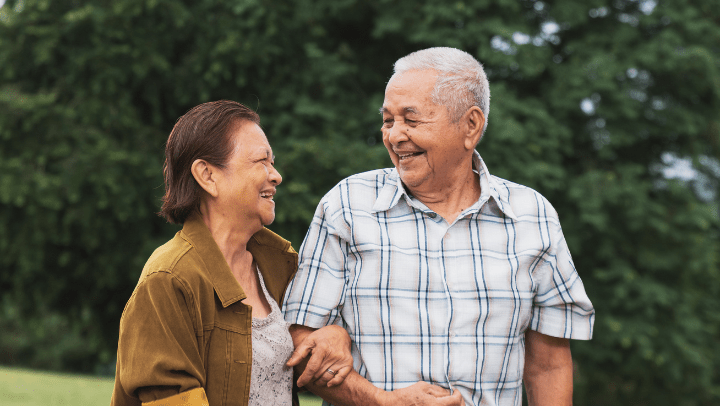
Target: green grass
pixel 22 387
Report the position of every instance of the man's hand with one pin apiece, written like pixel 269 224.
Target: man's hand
pixel 330 352
pixel 422 393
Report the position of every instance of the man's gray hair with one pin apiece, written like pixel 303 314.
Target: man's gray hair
pixel 461 82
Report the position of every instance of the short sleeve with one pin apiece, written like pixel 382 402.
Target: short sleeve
pixel 315 296
pixel 158 353
pixel 561 308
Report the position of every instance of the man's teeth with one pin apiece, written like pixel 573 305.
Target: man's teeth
pixel 266 195
pixel 403 156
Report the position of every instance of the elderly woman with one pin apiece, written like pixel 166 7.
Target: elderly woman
pixel 203 324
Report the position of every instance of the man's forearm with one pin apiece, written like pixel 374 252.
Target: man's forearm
pixel 354 391
pixel 357 391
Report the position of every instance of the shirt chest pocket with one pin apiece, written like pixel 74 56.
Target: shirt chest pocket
pixel 229 357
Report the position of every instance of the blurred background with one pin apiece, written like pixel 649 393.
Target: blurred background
pixel 609 108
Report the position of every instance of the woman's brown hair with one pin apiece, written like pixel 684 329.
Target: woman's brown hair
pixel 204 132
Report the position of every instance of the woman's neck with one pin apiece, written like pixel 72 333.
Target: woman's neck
pixel 232 239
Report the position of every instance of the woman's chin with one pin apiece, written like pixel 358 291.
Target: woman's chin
pixel 268 219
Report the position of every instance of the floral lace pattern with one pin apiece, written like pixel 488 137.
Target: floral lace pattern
pixel 270 379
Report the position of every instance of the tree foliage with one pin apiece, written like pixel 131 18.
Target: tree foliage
pixel 594 104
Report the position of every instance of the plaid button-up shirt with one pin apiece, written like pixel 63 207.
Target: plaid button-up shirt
pixel 424 300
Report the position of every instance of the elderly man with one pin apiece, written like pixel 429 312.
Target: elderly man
pixel 444 275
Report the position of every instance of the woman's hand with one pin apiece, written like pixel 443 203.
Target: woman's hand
pixel 330 360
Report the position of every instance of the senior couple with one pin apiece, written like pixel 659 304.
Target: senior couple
pixel 430 283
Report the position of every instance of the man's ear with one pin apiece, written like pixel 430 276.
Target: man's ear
pixel 205 175
pixel 475 121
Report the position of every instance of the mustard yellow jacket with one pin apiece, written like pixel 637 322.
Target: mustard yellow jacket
pixel 185 333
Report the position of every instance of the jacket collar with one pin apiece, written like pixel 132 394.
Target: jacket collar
pixel 276 259
pixel 274 255
pixel 394 190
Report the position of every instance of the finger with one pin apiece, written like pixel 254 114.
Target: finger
pixel 323 379
pixel 312 370
pixel 437 391
pixel 328 354
pixel 342 373
pixel 299 354
pixel 453 400
pixel 323 365
pixel 326 375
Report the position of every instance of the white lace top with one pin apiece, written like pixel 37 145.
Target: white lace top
pixel 270 379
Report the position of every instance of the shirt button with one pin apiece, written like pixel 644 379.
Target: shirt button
pixel 432 215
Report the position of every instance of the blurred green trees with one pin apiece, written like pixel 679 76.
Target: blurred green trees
pixel 596 104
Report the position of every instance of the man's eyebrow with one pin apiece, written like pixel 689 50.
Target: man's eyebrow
pixel 383 110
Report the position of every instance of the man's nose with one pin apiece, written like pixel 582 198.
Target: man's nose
pixel 397 133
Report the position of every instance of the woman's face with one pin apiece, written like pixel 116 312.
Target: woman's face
pixel 246 185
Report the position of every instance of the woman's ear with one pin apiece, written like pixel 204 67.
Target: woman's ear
pixel 205 175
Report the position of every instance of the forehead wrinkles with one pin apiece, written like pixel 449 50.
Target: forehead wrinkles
pixel 408 102
pixel 407 98
pixel 404 110
pixel 249 143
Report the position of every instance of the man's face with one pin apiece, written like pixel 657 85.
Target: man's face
pixel 423 143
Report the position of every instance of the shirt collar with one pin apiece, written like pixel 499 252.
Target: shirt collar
pixel 393 190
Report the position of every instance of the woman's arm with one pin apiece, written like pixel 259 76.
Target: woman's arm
pixel 158 353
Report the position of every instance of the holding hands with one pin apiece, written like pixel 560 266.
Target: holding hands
pixel 330 359
pixel 325 354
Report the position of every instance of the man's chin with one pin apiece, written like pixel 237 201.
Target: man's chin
pixel 411 180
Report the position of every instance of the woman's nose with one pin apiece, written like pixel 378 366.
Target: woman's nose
pixel 275 176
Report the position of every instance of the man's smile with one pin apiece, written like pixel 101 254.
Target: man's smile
pixel 405 155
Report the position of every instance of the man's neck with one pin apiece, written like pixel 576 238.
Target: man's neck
pixel 452 196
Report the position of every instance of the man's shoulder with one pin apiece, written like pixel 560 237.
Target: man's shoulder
pixel 510 186
pixel 362 185
pixel 370 178
pixel 524 200
pixel 356 194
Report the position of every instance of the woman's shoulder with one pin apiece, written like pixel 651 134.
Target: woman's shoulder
pixel 175 260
